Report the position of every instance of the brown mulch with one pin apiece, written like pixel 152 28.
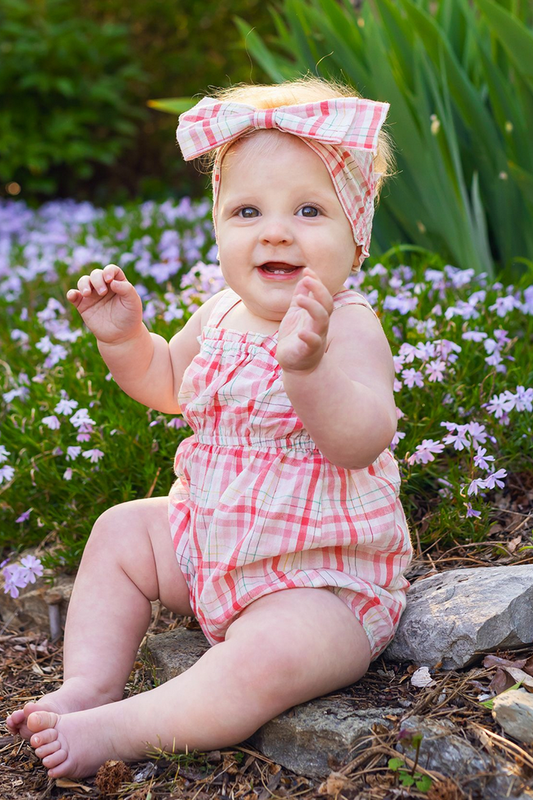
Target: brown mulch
pixel 30 666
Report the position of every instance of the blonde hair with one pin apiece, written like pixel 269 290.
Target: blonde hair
pixel 307 89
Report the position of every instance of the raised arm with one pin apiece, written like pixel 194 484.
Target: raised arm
pixel 144 364
pixel 340 378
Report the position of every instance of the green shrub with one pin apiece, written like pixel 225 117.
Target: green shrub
pixel 68 95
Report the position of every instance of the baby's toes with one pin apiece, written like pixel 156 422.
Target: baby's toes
pixel 54 760
pixel 47 749
pixel 41 720
pixel 45 737
pixel 15 720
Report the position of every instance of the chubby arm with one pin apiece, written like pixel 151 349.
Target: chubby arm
pixel 341 387
pixel 147 367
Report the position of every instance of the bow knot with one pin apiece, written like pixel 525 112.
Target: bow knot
pixel 350 122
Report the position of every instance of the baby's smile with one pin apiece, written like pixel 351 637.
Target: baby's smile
pixel 280 270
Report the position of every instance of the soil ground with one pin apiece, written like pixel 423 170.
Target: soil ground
pixel 30 665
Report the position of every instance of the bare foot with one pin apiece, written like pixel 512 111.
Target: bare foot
pixel 76 694
pixel 73 745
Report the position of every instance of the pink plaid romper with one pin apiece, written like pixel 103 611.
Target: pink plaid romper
pixel 257 508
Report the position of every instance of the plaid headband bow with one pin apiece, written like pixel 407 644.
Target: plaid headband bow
pixel 343 132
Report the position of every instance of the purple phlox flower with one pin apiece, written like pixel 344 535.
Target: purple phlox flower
pixel 504 305
pixel 377 269
pixel 73 452
pixel 81 417
pixel 435 370
pixel 461 309
pixel 425 350
pixel 51 422
pixel 3 453
pixel 445 349
pixel 57 353
pixel 477 432
pixel 527 305
pixel 22 392
pixel 403 303
pixel 412 377
pixel 496 479
pixel 524 399
pixel 154 422
pixel 477 297
pixel 500 404
pixel 399 413
pixel 67 475
pixel 425 452
pixel 459 440
pixel 6 473
pixel 471 512
pixel 66 406
pixel 459 277
pixel 24 516
pixel 396 439
pixel 397 385
pixel 481 460
pixel 176 422
pixel 397 331
pixel 32 568
pixel 478 484
pixel 495 360
pixel 44 344
pixel 398 363
pixel 14 580
pixel 94 455
pixel 19 336
pixel 490 345
pixel 474 336
pixel 501 337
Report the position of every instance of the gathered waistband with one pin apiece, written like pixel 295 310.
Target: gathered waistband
pixel 300 442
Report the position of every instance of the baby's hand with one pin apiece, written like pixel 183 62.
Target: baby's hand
pixel 108 303
pixel 303 331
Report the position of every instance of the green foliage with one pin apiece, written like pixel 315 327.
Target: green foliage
pixel 410 777
pixel 67 87
pixel 460 83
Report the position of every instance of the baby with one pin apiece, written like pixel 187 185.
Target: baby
pixel 283 533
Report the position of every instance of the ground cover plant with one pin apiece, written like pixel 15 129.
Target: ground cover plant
pixel 72 444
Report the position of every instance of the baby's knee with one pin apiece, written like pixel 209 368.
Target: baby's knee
pixel 112 527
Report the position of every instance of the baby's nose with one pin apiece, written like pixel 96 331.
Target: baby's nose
pixel 276 231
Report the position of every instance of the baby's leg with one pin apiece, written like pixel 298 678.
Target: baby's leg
pixel 129 560
pixel 284 649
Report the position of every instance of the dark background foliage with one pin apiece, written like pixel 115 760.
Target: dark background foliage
pixel 75 79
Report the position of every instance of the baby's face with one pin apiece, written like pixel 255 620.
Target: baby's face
pixel 278 213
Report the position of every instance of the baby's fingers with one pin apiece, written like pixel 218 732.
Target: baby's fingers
pixel 314 308
pixel 75 297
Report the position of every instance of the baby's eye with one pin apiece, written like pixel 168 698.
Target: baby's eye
pixel 248 212
pixel 308 211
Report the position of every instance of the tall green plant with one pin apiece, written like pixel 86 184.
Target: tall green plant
pixel 460 84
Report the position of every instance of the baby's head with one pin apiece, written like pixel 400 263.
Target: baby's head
pixel 345 134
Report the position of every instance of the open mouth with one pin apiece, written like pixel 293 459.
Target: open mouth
pixel 279 269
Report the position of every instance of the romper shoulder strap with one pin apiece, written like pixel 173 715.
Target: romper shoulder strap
pixel 226 302
pixel 347 297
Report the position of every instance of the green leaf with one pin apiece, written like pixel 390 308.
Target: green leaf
pixel 172 105
pixel 261 53
pixel 514 36
pixel 406 779
pixel 423 783
pixel 395 764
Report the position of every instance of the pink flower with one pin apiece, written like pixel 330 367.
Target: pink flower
pixel 51 422
pixel 480 460
pixel 475 486
pixel 496 479
pixel 459 440
pixel 94 455
pixel 412 377
pixel 477 432
pixel 32 568
pixel 425 452
pixel 24 516
pixel 500 404
pixel 67 475
pixel 435 370
pixel 471 512
pixel 176 422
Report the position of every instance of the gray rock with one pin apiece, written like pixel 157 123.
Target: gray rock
pixel 514 712
pixel 309 739
pixel 457 616
pixel 445 749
